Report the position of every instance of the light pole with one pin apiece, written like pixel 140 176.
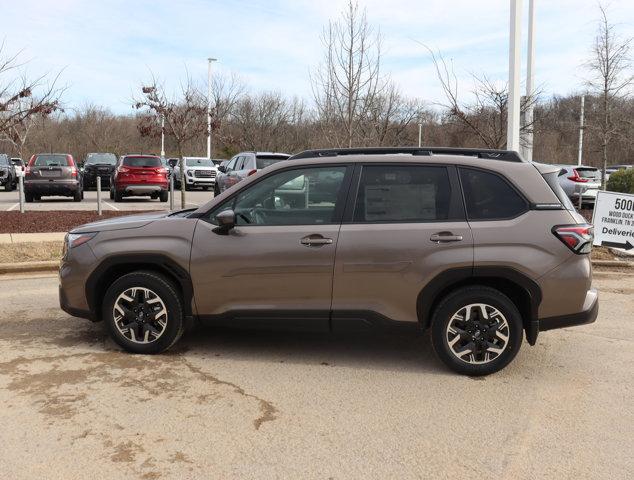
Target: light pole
pixel 513 120
pixel 581 127
pixel 210 61
pixel 420 134
pixel 527 148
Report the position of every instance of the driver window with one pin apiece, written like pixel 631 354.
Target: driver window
pixel 305 196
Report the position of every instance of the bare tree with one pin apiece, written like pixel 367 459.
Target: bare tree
pixel 347 81
pixel 484 116
pixel 610 67
pixel 184 113
pixel 22 100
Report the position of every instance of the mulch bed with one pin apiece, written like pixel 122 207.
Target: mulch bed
pixel 53 221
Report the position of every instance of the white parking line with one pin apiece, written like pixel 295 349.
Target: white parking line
pixel 110 205
pixel 13 206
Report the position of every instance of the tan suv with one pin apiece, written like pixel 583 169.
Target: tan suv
pixel 478 246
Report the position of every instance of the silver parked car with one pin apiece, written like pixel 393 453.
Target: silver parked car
pixel 580 179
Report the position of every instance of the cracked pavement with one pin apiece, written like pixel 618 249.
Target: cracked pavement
pixel 247 404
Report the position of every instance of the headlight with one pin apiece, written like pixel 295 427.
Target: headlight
pixel 190 173
pixel 76 239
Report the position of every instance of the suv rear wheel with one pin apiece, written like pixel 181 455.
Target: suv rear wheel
pixel 163 196
pixel 476 330
pixel 143 312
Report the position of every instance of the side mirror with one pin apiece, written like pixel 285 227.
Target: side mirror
pixel 222 169
pixel 172 163
pixel 226 220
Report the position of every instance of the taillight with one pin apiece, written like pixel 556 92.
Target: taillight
pixel 28 170
pixel 576 178
pixel 251 173
pixel 73 172
pixel 123 170
pixel 577 238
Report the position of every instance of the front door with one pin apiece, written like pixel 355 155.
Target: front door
pixel 407 226
pixel 277 262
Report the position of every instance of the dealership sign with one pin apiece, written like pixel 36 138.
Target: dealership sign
pixel 613 220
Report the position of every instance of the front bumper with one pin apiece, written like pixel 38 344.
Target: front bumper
pixel 587 315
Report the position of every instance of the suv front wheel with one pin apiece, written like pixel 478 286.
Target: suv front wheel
pixel 143 312
pixel 476 330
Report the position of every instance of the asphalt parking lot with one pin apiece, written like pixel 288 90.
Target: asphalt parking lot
pixel 246 404
pixel 9 201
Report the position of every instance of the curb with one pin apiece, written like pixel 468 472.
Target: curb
pixel 612 263
pixel 29 267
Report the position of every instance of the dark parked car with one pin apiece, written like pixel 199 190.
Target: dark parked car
pixel 479 246
pixel 244 165
pixel 140 175
pixel 8 177
pixel 52 174
pixel 98 165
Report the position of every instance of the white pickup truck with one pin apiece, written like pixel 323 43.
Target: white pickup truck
pixel 200 172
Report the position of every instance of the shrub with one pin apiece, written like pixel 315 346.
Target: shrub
pixel 622 181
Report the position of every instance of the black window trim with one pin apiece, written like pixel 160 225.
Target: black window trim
pixel 527 203
pixel 340 205
pixel 457 212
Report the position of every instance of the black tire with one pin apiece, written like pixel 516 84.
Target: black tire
pixel 111 194
pixel 118 197
pixel 459 299
pixel 77 196
pixel 205 188
pixel 167 292
pixel 216 190
pixel 28 197
pixel 188 188
pixel 37 198
pixel 8 187
pixel 164 196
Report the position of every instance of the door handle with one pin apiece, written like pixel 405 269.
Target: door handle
pixel 442 237
pixel 315 241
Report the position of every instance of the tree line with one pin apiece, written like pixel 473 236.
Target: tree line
pixel 354 103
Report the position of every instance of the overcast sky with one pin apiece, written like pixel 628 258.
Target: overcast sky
pixel 107 48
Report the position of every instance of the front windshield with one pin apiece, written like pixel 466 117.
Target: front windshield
pixel 101 158
pixel 199 162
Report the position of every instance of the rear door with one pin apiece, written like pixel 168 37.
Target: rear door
pixel 405 225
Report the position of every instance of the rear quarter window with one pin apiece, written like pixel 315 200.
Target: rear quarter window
pixel 488 196
pixel 263 161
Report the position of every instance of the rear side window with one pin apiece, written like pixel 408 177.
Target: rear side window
pixel 553 183
pixel 488 196
pixel 263 161
pixel 402 194
pixel 142 162
pixel 52 161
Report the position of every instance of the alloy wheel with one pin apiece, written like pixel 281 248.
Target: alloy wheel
pixel 140 315
pixel 477 333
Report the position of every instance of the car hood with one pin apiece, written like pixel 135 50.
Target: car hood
pixel 120 223
pixel 197 167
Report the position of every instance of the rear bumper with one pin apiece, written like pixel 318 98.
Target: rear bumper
pixel 52 187
pixel 587 315
pixel 142 189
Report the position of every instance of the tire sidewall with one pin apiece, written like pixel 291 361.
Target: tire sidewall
pixel 461 298
pixel 164 289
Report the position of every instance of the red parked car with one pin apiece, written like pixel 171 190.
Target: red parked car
pixel 139 175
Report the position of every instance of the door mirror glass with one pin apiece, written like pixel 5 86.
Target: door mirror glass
pixel 172 162
pixel 222 169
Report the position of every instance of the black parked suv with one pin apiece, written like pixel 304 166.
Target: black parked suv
pixel 8 178
pixel 98 165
